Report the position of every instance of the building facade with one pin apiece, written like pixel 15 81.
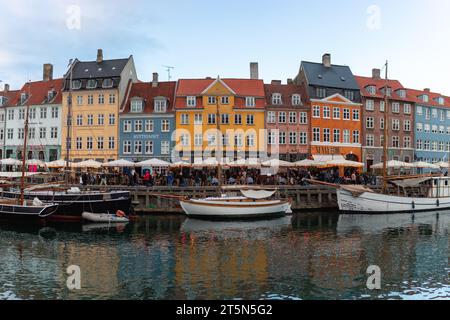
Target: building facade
pixel 287 121
pixel 335 102
pixel 44 100
pixel 98 89
pixel 147 121
pixel 400 120
pixel 7 97
pixel 241 104
pixel 432 126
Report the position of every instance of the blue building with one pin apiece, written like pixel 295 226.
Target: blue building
pixel 432 126
pixel 147 121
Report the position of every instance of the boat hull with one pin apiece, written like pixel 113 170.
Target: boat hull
pixel 376 203
pixel 234 210
pixel 29 213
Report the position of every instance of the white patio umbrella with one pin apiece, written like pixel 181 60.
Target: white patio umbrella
pixel 61 163
pixel 35 162
pixel 425 165
pixel 153 163
pixel 393 164
pixel 278 163
pixel 121 163
pixel 345 163
pixel 253 162
pixel 180 164
pixel 309 163
pixel 87 164
pixel 11 162
pixel 442 164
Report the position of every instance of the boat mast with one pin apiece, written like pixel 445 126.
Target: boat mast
pixel 69 124
pixel 24 153
pixel 385 137
pixel 219 144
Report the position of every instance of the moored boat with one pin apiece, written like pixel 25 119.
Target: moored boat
pixel 28 210
pixel 104 217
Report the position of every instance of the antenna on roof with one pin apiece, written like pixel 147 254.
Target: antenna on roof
pixel 168 69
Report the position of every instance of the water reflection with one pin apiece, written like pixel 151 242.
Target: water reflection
pixel 306 256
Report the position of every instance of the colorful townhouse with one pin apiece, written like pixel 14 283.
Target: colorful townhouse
pixel 7 97
pixel 432 126
pixel 335 101
pixel 147 121
pixel 287 120
pixel 400 120
pixel 98 89
pixel 44 99
pixel 237 106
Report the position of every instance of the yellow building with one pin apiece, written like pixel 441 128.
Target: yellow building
pixel 235 107
pixel 98 90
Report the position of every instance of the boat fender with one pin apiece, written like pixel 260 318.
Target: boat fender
pixel 120 214
pixel 413 205
pixel 437 202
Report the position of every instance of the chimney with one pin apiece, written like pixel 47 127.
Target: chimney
pixel 290 81
pixel 427 90
pixel 99 56
pixel 48 72
pixel 155 80
pixel 6 88
pixel 276 82
pixel 326 60
pixel 254 72
pixel 376 74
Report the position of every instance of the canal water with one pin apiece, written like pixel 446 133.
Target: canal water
pixel 306 256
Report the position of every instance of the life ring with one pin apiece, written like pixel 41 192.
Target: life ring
pixel 120 214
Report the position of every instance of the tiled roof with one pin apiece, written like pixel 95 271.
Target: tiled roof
pixel 286 91
pixel 242 87
pixel 39 92
pixel 336 76
pixel 146 91
pixel 11 96
pixel 432 101
pixel 380 84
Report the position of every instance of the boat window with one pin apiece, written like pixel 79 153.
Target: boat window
pixel 446 182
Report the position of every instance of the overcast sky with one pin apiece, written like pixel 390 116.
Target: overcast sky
pixel 208 38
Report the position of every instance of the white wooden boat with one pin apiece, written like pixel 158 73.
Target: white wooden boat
pixel 250 206
pixel 104 217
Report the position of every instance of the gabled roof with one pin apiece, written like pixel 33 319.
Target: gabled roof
pixel 242 87
pixel 286 91
pixel 38 92
pixel 145 91
pixel 218 81
pixel 10 95
pixel 335 76
pixel 380 84
pixel 416 94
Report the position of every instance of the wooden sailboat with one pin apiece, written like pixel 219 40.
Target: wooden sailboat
pixel 253 204
pixel 22 208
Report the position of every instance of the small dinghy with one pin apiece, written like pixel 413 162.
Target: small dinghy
pixel 119 217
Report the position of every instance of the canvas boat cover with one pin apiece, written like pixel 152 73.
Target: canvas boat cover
pixel 410 182
pixel 258 194
pixel 356 190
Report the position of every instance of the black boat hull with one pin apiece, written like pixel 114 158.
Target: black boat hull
pixel 29 213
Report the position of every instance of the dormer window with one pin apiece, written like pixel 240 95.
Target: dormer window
pixel 23 98
pixel 401 93
pixel 137 106
pixel 425 98
pixel 107 83
pixel 440 100
pixel 250 101
pixel 76 84
pixel 371 89
pixel 50 95
pixel 296 100
pixel 276 99
pixel 91 84
pixel 160 106
pixel 191 101
pixel 388 93
pixel 2 101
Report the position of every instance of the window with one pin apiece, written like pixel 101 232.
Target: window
pixel 448 130
pixel 381 123
pixel 90 121
pixel 356 136
pixel 79 143
pixel 407 142
pixel 160 106
pixel 112 143
pixel 337 135
pixel 79 120
pixel 107 83
pixel 238 140
pixel 191 101
pixel 316 112
pixel 282 138
pixel 10 133
pixel 76 84
pixel 138 126
pixel 271 138
pixel 32 133
pixel 2 134
pixel 55 113
pixel 395 142
pixel 326 135
pixel 350 95
pixel 136 106
pixel 370 140
pixel 101 99
pixel 382 105
pixel 370 105
pixel 442 115
pixel 250 140
pixel 427 114
pixel 321 92
pixel 21 134
pixel 326 112
pixel 250 101
pixel 296 100
pixel 419 145
pixel 427 128
pixel 441 145
pixel 303 138
pixel 396 107
pixel 426 145
pixel 21 114
pixel 148 147
pixel 225 100
pixel 434 113
pixel 137 147
pixel 355 115
pixel 346 136
pixel 237 119
pixel 434 146
pixel 43 113
pixel 184 118
pixel 292 137
pixel 211 118
pixel 448 115
pixel 165 126
pixel 292 117
pixel 225 118
pixel 23 98
pixel 316 134
pixel 212 100
pixel 282 117
pixel 370 123
pixel 165 147
pixel 401 93
pixel 346 114
pixel 101 119
pixel 91 84
pixel 395 124
pixel 32 114
pixel 425 98
pixel 112 98
pixel 419 110
pixel 407 108
pixel 271 117
pixel 303 118
pixel 434 129
pixel 441 129
pixel 198 119
pixel 90 99
pixel 127 126
pixel 198 139
pixel 100 143
pixel 250 120
pixel 149 126
pixel 127 147
pixel 211 140
pixel 112 119
pixel 419 127
pixel 336 113
pixel 276 99
pixel 371 89
pixel 79 100
pixel 54 132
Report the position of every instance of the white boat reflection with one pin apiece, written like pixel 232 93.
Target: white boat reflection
pixel 378 223
pixel 104 226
